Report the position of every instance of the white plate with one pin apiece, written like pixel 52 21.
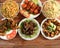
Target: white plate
pixel 31 15
pixel 38 32
pixel 5 37
pixel 50 38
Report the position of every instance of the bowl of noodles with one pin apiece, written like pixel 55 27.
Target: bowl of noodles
pixel 51 9
pixel 9 9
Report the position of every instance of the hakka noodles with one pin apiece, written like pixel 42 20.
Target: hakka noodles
pixel 9 9
pixel 51 9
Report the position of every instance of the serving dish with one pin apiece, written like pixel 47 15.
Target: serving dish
pixel 9 9
pixel 51 9
pixel 28 36
pixel 8 33
pixel 45 35
pixel 30 15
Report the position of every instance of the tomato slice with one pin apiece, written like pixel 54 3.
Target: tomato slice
pixel 11 35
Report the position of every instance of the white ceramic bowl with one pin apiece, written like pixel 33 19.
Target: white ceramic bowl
pixel 43 10
pixel 9 34
pixel 31 15
pixel 6 17
pixel 50 38
pixel 38 32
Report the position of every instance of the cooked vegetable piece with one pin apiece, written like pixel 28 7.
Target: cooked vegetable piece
pixel 31 3
pixel 25 13
pixel 35 11
pixel 11 35
pixel 24 6
pixel 31 10
pixel 26 1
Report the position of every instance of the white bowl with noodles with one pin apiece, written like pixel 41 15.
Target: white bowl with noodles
pixel 31 16
pixel 50 9
pixel 29 37
pixel 11 10
pixel 47 37
pixel 8 34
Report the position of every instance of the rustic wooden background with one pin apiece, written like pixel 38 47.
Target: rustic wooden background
pixel 39 42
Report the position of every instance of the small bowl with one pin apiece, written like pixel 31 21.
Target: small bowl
pixel 50 38
pixel 38 31
pixel 9 34
pixel 32 15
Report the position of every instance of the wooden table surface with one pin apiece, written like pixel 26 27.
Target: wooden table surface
pixel 39 42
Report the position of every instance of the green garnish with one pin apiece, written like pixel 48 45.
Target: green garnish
pixel 51 27
pixel 8 30
pixel 35 1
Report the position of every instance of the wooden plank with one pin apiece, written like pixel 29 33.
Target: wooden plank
pixel 39 42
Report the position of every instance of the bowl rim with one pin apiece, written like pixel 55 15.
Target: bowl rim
pixel 55 37
pixel 32 37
